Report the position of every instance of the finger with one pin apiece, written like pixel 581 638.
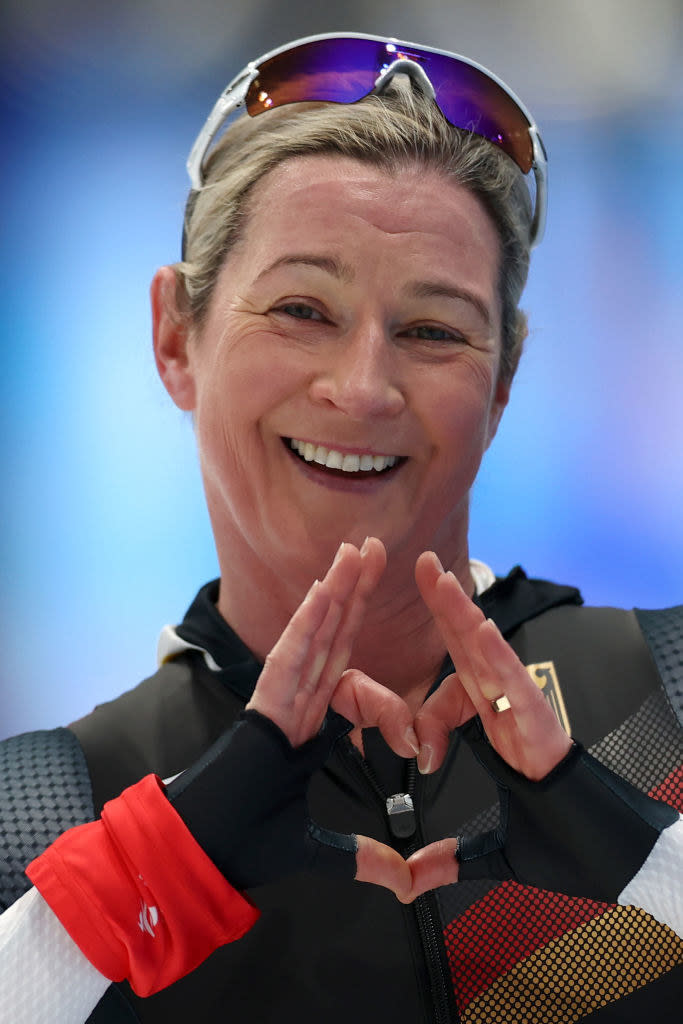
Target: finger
pixel 339 583
pixel 281 674
pixel 433 865
pixel 528 735
pixel 367 703
pixel 381 865
pixel 296 661
pixel 444 711
pixel 456 615
pixel 372 565
pixel 331 651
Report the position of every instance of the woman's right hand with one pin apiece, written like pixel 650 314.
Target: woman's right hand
pixel 245 800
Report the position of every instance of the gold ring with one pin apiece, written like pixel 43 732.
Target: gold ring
pixel 500 704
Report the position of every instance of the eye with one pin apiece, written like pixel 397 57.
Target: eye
pixel 300 311
pixel 429 332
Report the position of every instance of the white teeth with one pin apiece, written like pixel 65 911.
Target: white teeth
pixel 351 463
pixel 334 459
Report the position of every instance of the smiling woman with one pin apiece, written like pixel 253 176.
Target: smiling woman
pixel 397 355
pixel 345 329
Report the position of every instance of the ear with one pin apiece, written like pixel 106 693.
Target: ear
pixel 500 400
pixel 170 329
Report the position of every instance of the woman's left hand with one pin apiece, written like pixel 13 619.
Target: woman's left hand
pixel 527 735
pixel 568 823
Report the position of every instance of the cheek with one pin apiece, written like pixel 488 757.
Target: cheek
pixel 461 413
pixel 242 389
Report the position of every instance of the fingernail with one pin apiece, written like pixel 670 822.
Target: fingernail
pixel 438 561
pixel 339 552
pixel 411 739
pixel 424 759
pixel 312 590
pixel 364 546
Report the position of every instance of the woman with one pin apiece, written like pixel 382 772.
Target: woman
pixel 344 328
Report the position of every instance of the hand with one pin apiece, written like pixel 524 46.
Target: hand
pixel 245 801
pixel 568 824
pixel 528 736
pixel 306 670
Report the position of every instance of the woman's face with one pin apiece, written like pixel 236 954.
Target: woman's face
pixel 345 380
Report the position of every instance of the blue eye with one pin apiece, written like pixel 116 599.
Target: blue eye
pixel 300 311
pixel 427 333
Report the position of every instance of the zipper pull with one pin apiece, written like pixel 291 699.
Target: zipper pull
pixel 401 814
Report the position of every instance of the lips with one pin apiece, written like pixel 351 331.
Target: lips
pixel 346 462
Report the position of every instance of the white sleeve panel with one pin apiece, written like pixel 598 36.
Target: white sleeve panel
pixel 658 886
pixel 44 977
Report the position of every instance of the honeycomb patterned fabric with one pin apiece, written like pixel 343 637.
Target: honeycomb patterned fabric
pixel 662 630
pixel 45 790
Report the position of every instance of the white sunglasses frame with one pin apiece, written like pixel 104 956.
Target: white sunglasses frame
pixel 234 95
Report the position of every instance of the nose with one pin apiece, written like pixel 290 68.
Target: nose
pixel 360 376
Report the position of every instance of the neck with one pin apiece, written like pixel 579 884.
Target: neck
pixel 398 645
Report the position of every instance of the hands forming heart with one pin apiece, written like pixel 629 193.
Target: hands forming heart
pixel 307 671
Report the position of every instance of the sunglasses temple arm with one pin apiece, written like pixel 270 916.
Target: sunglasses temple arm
pixel 230 99
pixel 540 166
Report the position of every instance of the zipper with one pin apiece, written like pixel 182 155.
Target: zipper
pixel 424 906
pixel 428 927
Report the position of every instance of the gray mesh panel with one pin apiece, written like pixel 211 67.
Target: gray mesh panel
pixel 663 631
pixel 44 790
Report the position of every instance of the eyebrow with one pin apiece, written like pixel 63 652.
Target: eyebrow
pixel 441 290
pixel 329 264
pixel 343 272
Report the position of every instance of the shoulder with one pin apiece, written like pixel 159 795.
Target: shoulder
pixel 162 725
pixel 45 790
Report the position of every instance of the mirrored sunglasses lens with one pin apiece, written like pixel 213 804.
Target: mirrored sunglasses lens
pixel 327 70
pixel 471 100
pixel 345 70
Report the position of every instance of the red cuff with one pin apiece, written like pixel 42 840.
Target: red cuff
pixel 137 893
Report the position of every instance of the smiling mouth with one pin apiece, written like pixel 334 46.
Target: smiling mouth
pixel 344 464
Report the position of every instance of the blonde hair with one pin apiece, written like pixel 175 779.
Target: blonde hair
pixel 398 128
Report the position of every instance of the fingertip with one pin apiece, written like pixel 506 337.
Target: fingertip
pixel 372 547
pixel 340 553
pixel 410 737
pixel 428 563
pixel 425 759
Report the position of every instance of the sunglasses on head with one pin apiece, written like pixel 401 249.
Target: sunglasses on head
pixel 344 68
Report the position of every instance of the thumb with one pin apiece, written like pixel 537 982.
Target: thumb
pixel 381 865
pixel 434 865
pixel 367 703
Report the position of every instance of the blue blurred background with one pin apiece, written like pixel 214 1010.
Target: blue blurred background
pixel 105 536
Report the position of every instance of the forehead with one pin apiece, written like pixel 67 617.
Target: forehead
pixel 368 212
